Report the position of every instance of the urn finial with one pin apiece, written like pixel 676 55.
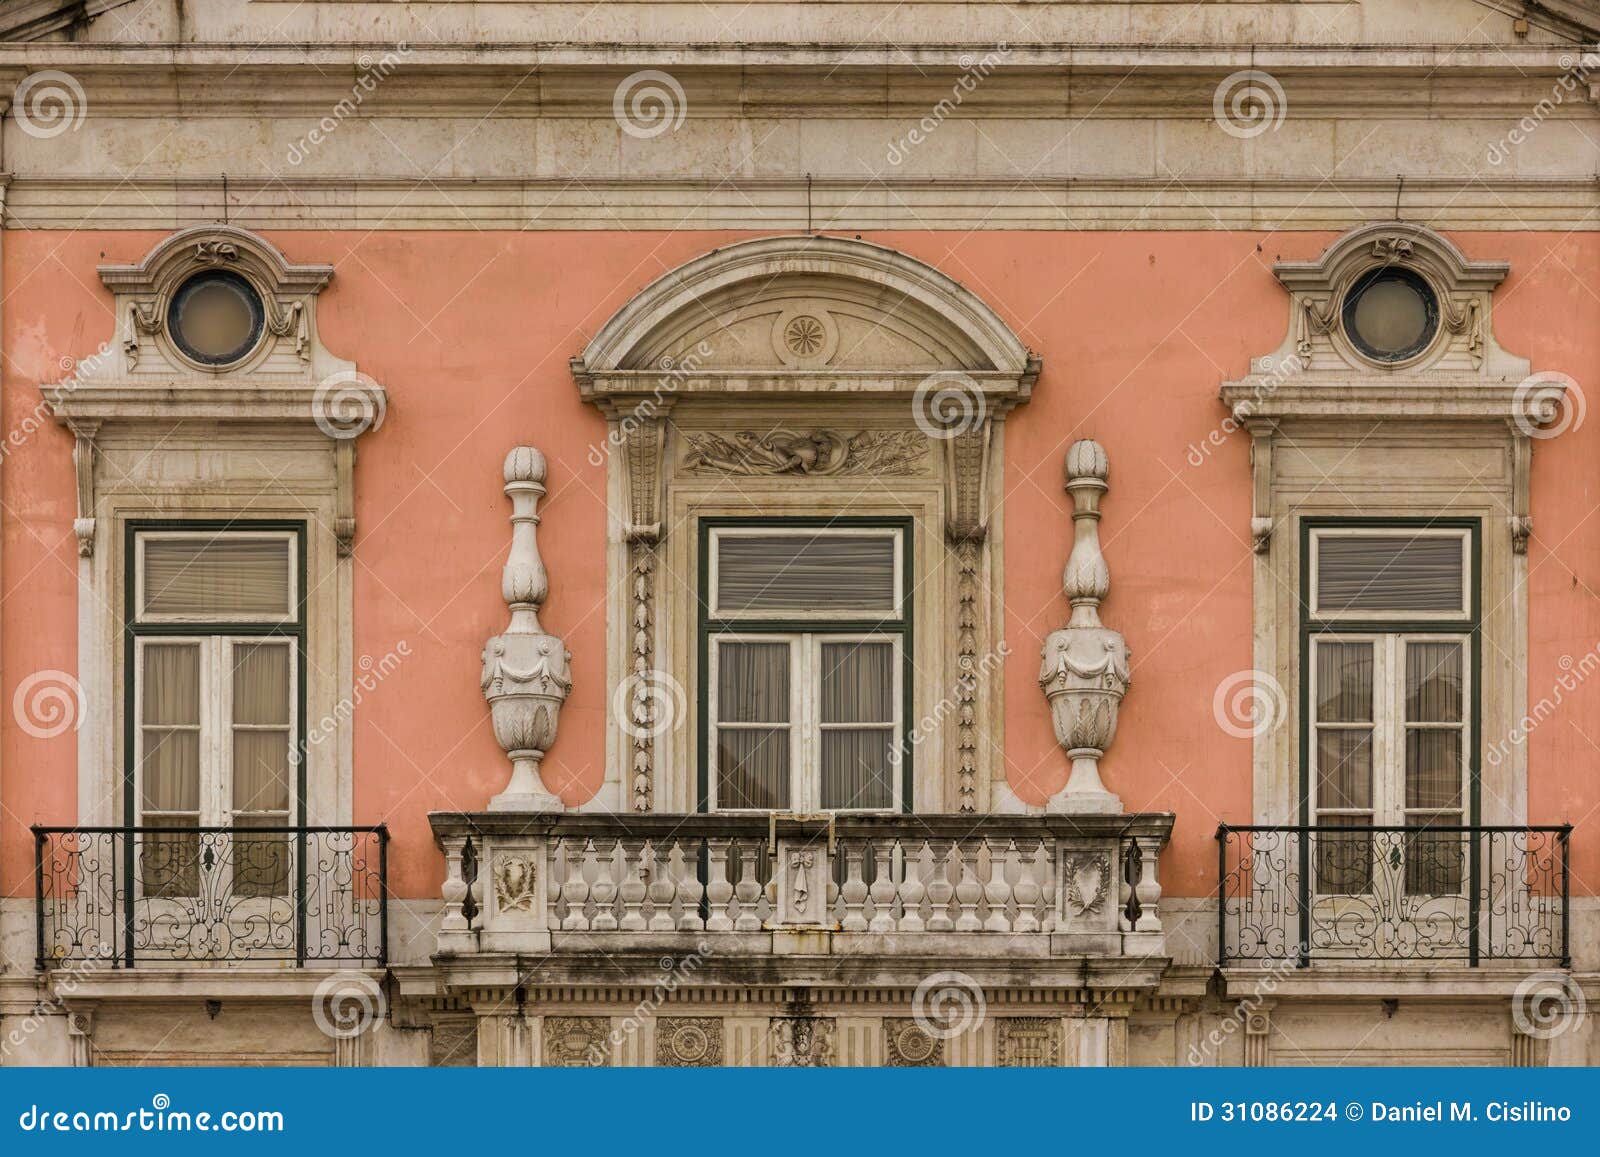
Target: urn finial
pixel 1086 667
pixel 526 670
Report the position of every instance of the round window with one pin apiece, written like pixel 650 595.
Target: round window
pixel 1391 314
pixel 215 318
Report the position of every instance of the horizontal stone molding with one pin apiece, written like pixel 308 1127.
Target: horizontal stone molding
pixel 838 204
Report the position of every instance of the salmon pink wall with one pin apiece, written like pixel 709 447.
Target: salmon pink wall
pixel 470 334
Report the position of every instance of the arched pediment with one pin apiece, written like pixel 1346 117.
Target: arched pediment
pixel 791 315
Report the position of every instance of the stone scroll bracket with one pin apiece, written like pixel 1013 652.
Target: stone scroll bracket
pixel 642 452
pixel 967 456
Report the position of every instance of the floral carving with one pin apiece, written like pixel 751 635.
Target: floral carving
pixel 802 1042
pixel 1029 1041
pixel 816 452
pixel 906 1044
pixel 576 1042
pixel 515 878
pixel 689 1041
pixel 804 335
pixel 1088 880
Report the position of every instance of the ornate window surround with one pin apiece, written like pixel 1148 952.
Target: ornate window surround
pixel 800 375
pixel 159 436
pixel 1447 434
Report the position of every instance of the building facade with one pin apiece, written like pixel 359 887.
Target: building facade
pixel 799 534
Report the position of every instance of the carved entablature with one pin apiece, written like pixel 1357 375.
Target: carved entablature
pixel 797 375
pixel 1446 373
pixel 216 327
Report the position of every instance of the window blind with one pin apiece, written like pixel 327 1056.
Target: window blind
pixel 1417 573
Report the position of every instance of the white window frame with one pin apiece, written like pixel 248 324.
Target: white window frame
pixel 1314 602
pixel 292 561
pixel 719 533
pixel 805 725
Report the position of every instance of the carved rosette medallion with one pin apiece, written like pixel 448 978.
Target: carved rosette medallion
pixel 689 1041
pixel 1027 1042
pixel 906 1044
pixel 803 1042
pixel 576 1042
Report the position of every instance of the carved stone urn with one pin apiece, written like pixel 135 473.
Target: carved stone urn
pixel 1086 667
pixel 526 671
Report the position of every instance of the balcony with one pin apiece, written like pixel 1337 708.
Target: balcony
pixel 187 895
pixel 1472 895
pixel 746 885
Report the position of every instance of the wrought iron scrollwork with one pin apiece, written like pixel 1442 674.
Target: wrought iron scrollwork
pixel 191 894
pixel 1392 893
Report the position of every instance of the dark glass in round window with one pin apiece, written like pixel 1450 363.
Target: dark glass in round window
pixel 215 317
pixel 1391 314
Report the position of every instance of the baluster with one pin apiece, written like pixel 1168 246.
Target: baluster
pixel 1044 867
pixel 633 893
pixel 718 890
pixel 968 890
pixel 453 925
pixel 605 890
pixel 1149 888
pixel 855 888
pixel 686 872
pixel 940 892
pixel 662 890
pixel 748 890
pixel 1027 889
pixel 883 886
pixel 912 889
pixel 557 877
pixel 1127 860
pixel 997 892
pixel 576 891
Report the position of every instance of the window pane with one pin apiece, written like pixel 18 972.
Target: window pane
pixel 806 572
pixel 261 683
pixel 1389 573
pixel 171 684
pixel 1344 769
pixel 753 768
pixel 1433 683
pixel 1344 682
pixel 857 683
pixel 753 682
pixel 856 769
pixel 222 577
pixel 169 864
pixel 170 707
pixel 260 863
pixel 1434 859
pixel 1343 859
pixel 1433 768
pixel 261 771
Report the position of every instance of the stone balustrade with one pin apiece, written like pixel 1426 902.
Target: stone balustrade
pixel 1059 885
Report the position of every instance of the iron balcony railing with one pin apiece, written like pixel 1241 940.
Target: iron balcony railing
pixel 1390 893
pixel 178 895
